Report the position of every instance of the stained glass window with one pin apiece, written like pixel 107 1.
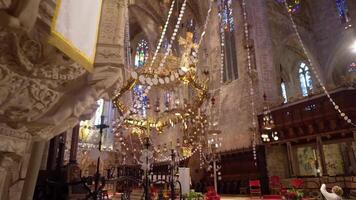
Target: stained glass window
pixel 226 15
pixel 228 46
pixel 141 53
pixel 293 5
pixel 343 11
pixel 139 99
pixel 284 91
pixel 306 83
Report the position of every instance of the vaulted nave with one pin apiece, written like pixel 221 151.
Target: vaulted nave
pixel 177 99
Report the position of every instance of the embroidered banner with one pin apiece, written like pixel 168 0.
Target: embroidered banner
pixel 75 28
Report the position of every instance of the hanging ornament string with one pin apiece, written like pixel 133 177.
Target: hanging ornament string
pixel 173 37
pixel 163 33
pixel 250 71
pixel 336 107
pixel 222 53
pixel 175 31
pixel 205 24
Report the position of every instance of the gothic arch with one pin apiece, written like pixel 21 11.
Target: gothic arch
pixel 289 55
pixel 340 57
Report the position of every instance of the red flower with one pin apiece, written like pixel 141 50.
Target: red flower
pixel 297 183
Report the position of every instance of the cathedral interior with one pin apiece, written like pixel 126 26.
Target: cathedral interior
pixel 177 99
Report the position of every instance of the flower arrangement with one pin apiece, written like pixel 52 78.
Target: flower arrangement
pixel 211 194
pixel 192 195
pixel 296 193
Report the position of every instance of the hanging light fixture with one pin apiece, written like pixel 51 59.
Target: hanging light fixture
pixel 275 136
pixel 265 137
pixel 268 122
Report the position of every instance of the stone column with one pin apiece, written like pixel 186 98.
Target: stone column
pixel 351 158
pixel 320 150
pixel 263 46
pixel 33 169
pixel 45 157
pixel 290 159
pixel 61 149
pixel 74 145
pixel 52 153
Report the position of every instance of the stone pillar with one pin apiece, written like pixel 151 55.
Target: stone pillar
pixel 33 169
pixel 74 145
pixel 351 158
pixel 263 46
pixel 290 159
pixel 320 150
pixel 61 149
pixel 52 153
pixel 45 157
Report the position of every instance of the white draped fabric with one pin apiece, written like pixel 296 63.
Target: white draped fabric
pixel 75 29
pixel 184 179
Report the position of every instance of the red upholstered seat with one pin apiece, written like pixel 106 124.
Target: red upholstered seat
pixel 275 185
pixel 255 188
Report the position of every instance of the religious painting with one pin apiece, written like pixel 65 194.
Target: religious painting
pixel 307 161
pixel 334 159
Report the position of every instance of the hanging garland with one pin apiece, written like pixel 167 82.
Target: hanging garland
pixel 164 30
pixel 250 71
pixel 173 37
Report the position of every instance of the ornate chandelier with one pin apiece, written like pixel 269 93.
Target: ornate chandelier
pixel 268 124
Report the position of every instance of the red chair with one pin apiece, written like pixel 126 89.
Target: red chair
pixel 255 188
pixel 275 184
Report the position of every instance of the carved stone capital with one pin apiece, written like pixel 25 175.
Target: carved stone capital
pixel 14 140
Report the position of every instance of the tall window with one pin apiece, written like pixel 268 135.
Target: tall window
pixel 99 111
pixel 306 83
pixel 140 101
pixel 191 27
pixel 343 11
pixel 284 91
pixel 141 54
pixel 227 28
